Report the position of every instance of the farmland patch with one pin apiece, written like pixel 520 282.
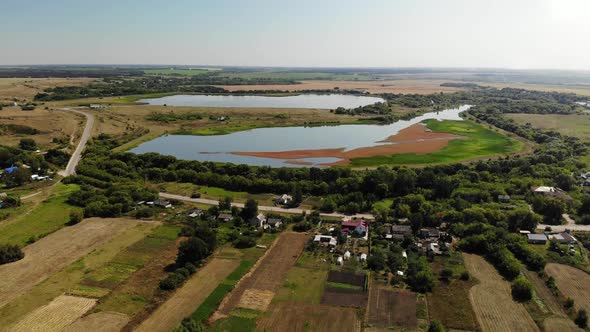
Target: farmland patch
pixel 389 308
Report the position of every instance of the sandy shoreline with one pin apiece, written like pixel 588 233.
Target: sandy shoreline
pixel 416 139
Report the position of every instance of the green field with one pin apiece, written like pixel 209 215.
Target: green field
pixel 181 72
pixel 302 285
pixel 480 142
pixel 287 75
pixel 576 125
pixel 49 216
pixel 125 263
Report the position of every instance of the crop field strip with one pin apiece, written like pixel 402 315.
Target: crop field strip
pixel 571 282
pixel 492 300
pixel 56 251
pixel 55 316
pixel 389 308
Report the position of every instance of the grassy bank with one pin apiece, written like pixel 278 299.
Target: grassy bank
pixel 49 216
pixel 480 142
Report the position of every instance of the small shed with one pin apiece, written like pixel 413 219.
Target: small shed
pixel 537 238
pixel 339 261
pixel 347 255
pixel 363 258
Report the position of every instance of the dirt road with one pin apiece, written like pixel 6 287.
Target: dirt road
pixel 260 207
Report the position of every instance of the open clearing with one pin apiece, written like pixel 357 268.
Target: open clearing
pixel 571 282
pixel 186 299
pixel 54 252
pixel 392 308
pixel 492 300
pixel 99 322
pixel 398 86
pixel 55 316
pixel 27 88
pixel 560 324
pixel 268 273
pixel 309 317
pixel 576 125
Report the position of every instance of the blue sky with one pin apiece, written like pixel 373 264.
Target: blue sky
pixel 370 33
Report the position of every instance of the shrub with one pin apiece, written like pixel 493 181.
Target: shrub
pixel 184 272
pixel 144 212
pixel 172 281
pixel 522 290
pixel 244 242
pixel 465 276
pixel 302 226
pixel 75 217
pixel 582 318
pixel 436 326
pixel 446 274
pixel 569 303
pixel 190 267
pixel 10 253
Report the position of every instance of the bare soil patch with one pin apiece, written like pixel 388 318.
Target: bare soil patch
pixel 571 282
pixel 344 297
pixel 55 316
pixel 56 251
pixel 492 300
pixel 269 272
pixel 106 321
pixel 396 86
pixel 414 139
pixel 186 299
pixel 389 308
pixel 349 278
pixel 309 317
pixel 256 299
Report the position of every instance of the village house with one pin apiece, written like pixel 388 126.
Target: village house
pixel 259 221
pixel 162 203
pixel 96 106
pixel 537 238
pixel 224 217
pixel 551 192
pixel 194 213
pixel 563 238
pixel 325 240
pixel 359 226
pixel 283 200
pixel 274 222
pixel 429 233
pixel 504 198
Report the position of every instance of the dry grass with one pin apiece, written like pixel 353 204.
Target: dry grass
pixel 309 317
pixel 27 88
pixel 186 299
pixel 392 86
pixel 99 322
pixel 560 324
pixel 54 252
pixel 391 308
pixel 492 300
pixel 256 299
pixel 55 316
pixel 571 282
pixel 50 123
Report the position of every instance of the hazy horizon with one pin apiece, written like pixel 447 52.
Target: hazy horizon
pixel 454 34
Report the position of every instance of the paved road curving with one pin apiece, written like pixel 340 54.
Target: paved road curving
pixel 260 207
pixel 75 159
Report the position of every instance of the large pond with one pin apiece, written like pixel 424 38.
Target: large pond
pixel 332 101
pixel 219 148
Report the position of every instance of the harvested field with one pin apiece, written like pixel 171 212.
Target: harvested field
pixel 397 86
pixel 392 308
pixel 27 88
pixel 344 297
pixel 186 299
pixel 55 316
pixel 571 282
pixel 545 294
pixel 99 322
pixel 349 278
pixel 256 299
pixel 54 252
pixel 309 317
pixel 560 324
pixel 576 125
pixel 492 300
pixel 269 272
pixel 414 139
